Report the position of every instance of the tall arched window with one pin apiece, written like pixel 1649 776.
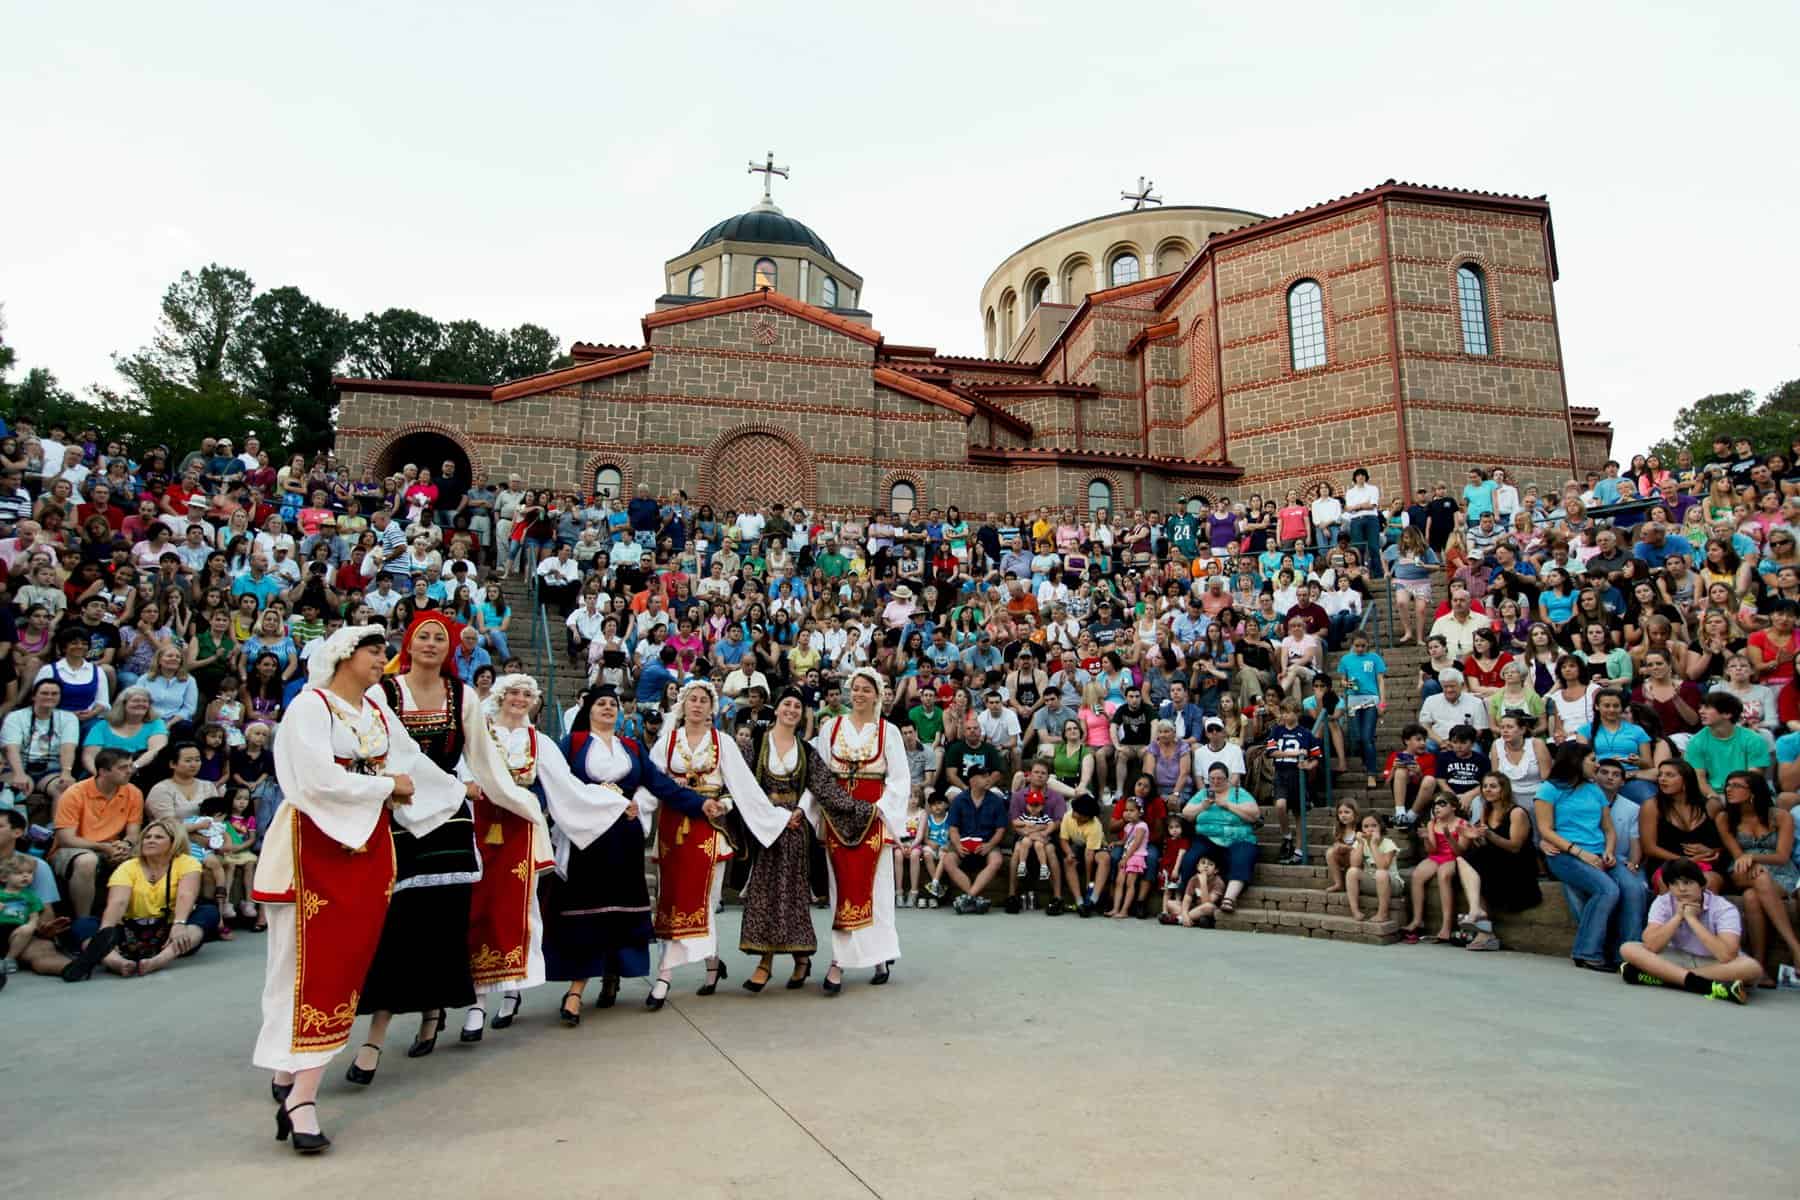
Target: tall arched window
pixel 1306 324
pixel 828 292
pixel 697 282
pixel 608 482
pixel 991 333
pixel 1099 496
pixel 765 274
pixel 903 498
pixel 1471 300
pixel 1124 270
pixel 1035 291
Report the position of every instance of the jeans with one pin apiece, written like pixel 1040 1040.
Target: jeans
pixel 1343 624
pixel 1238 859
pixel 1430 688
pixel 1365 535
pixel 205 917
pixel 1362 732
pixel 1638 789
pixel 1609 906
pixel 496 639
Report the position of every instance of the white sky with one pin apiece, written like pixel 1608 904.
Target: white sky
pixel 537 162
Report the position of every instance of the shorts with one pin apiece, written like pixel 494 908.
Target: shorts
pixel 63 858
pixel 972 864
pixel 1152 859
pixel 1420 589
pixel 1686 961
pixel 1395 879
pixel 1287 781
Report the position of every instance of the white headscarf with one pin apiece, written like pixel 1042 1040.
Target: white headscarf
pixel 874 677
pixel 508 683
pixel 682 695
pixel 322 664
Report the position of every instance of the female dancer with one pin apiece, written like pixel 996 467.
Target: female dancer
pixel 867 758
pixel 596 905
pixel 776 900
pixel 688 855
pixel 422 963
pixel 343 759
pixel 506 931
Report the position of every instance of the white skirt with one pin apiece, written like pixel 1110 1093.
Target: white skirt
pixel 696 949
pixel 275 1044
pixel 534 957
pixel 874 944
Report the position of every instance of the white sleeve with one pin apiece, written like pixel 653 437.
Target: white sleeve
pixel 765 821
pixel 481 762
pixel 437 795
pixel 343 804
pixel 582 811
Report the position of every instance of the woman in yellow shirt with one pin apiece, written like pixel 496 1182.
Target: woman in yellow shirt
pixel 151 916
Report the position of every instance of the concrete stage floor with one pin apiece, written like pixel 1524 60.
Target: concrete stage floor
pixel 1011 1056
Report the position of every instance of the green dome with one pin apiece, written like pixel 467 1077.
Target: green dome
pixel 763 225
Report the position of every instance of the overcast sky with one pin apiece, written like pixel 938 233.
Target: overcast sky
pixel 537 162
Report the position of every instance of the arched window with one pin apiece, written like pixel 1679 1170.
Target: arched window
pixel 828 292
pixel 1009 321
pixel 991 334
pixel 1035 291
pixel 1306 324
pixel 608 481
pixel 765 273
pixel 1099 496
pixel 903 498
pixel 1471 300
pixel 697 282
pixel 1124 270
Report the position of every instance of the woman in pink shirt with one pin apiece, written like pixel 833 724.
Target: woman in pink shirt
pixel 1293 520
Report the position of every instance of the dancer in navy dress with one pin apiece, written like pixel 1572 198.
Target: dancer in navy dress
pixel 595 904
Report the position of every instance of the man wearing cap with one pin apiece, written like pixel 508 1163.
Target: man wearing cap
pixel 1215 748
pixel 983 656
pixel 978 823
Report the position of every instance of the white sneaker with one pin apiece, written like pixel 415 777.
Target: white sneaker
pixel 1787 979
pixel 1022 867
pixel 918 901
pixel 1043 873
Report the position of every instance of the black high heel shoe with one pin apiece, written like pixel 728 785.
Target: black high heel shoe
pixel 465 1034
pixel 357 1074
pixel 753 984
pixel 832 986
pixel 304 1143
pixel 656 999
pixel 423 1046
pixel 802 972
pixel 280 1091
pixel 570 1016
pixel 609 992
pixel 881 974
pixel 504 1018
pixel 714 974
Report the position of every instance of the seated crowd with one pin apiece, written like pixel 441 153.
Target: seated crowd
pixel 1093 708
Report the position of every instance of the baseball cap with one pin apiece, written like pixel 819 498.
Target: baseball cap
pixel 1213 723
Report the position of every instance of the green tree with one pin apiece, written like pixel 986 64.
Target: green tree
pixel 1768 422
pixel 201 313
pixel 395 344
pixel 284 355
pixel 530 350
pixel 469 352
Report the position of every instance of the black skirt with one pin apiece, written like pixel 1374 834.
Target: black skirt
pixel 422 962
pixel 597 921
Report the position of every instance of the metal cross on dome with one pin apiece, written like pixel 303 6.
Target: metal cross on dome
pixel 1144 195
pixel 769 170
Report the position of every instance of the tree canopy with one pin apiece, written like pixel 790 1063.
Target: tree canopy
pixel 223 356
pixel 1768 421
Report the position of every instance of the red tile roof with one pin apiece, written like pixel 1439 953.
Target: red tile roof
pixel 763 298
pixel 581 372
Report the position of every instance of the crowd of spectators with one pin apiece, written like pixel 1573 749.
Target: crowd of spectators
pixel 1096 706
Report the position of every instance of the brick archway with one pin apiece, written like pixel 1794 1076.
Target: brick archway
pixel 761 463
pixel 385 456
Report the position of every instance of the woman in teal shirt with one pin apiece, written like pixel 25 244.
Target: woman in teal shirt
pixel 1224 831
pixel 1576 833
pixel 1610 735
pixel 1478 494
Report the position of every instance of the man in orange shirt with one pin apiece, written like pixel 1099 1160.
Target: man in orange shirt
pixel 97 820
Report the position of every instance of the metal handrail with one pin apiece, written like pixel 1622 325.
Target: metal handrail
pixel 552 704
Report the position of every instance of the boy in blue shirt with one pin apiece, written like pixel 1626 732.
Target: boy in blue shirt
pixel 1295 752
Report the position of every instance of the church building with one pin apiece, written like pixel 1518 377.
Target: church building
pixel 1129 361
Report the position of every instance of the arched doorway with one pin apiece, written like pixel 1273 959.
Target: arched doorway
pixel 757 468
pixel 424 448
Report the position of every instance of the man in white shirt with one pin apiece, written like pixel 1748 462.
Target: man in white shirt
pixel 743 677
pixel 1448 709
pixel 1216 749
pixel 248 458
pixel 1000 725
pixel 586 623
pixel 750 525
pixel 71 469
pixel 559 578
pixel 382 598
pixel 1362 508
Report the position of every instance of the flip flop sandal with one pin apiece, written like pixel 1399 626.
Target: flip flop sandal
pixel 1411 938
pixel 1228 905
pixel 1486 941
